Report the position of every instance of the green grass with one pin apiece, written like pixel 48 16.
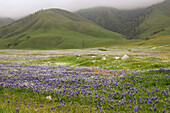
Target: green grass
pixel 157 23
pixel 159 41
pixel 28 101
pixel 134 62
pixel 56 29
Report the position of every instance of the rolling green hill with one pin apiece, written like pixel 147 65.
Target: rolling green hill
pixel 155 22
pixel 55 29
pixel 145 23
pixel 120 21
pixel 5 21
pixel 107 17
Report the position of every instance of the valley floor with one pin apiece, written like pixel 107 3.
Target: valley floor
pixel 87 80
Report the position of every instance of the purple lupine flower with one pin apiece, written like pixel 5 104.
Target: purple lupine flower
pixel 58 106
pixel 101 110
pixel 17 110
pixel 140 107
pixel 111 107
pixel 151 109
pixel 136 109
pixel 155 108
pixel 130 106
pixel 41 105
pixel 166 100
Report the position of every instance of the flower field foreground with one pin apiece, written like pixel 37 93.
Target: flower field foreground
pixel 62 89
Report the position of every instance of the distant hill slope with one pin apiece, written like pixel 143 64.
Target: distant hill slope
pixel 155 22
pixel 5 21
pixel 107 17
pixel 121 21
pixel 138 23
pixel 53 29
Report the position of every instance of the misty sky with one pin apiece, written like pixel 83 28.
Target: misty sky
pixel 20 8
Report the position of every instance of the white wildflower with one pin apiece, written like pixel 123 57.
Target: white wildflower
pixel 117 58
pixel 93 61
pixel 93 56
pixel 48 97
pixel 103 58
pixel 92 77
pixel 154 48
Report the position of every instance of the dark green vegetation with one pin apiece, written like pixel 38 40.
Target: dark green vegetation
pixel 155 22
pixel 54 29
pixel 120 21
pixel 139 23
pixel 5 21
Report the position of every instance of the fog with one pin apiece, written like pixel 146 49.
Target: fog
pixel 19 8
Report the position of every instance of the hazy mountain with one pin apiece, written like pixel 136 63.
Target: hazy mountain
pixel 138 23
pixel 55 28
pixel 133 13
pixel 5 21
pixel 155 21
pixel 107 17
pixel 121 21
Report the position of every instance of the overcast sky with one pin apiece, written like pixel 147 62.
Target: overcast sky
pixel 20 8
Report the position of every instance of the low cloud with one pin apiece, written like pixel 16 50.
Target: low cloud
pixel 19 8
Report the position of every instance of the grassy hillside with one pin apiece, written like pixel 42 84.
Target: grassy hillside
pixel 160 43
pixel 145 23
pixel 120 21
pixel 53 29
pixel 156 22
pixel 107 17
pixel 5 21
